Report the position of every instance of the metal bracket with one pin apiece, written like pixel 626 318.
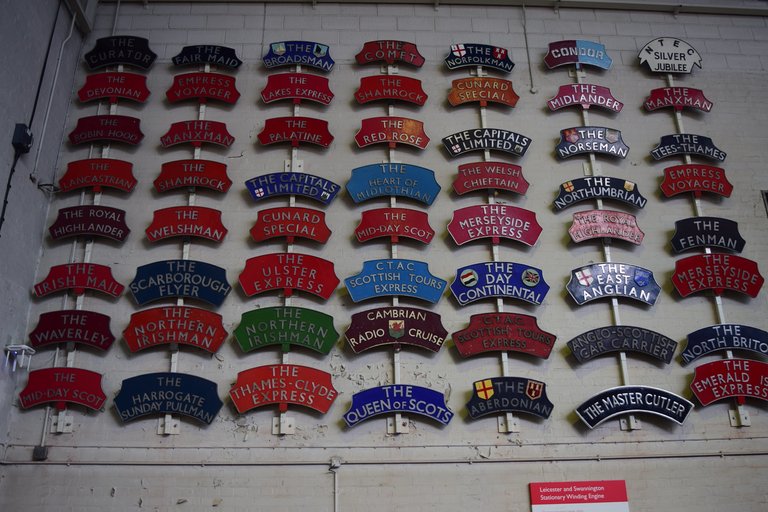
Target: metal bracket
pixel 577 73
pixel 297 166
pixel 739 417
pixel 283 425
pixel 389 69
pixel 397 424
pixel 61 423
pixel 168 426
pixel 630 423
pixel 507 423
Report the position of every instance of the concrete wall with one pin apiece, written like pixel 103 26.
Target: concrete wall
pixel 704 464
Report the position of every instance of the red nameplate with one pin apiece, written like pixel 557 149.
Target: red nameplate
pixel 97 173
pixel 502 332
pixel 730 378
pixel 192 221
pixel 482 90
pixel 390 87
pixel 679 98
pixel 61 386
pixel 392 130
pixel 494 221
pixel 90 220
pixel 297 87
pixel 390 51
pixel 394 223
pixel 114 85
pixel 291 222
pixel 110 128
pixel 183 325
pixel 717 272
pixel 72 326
pixel 203 87
pixel 490 175
pixel 586 95
pixel 296 130
pixel 79 277
pixel 288 272
pixel 605 224
pixel 283 384
pixel 197 132
pixel 193 173
pixel 695 178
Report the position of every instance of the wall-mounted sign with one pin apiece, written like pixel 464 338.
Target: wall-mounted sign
pixel 395 277
pixel 298 53
pixel 197 132
pixel 114 85
pixel 622 338
pixel 288 272
pixel 72 326
pixel 390 87
pixel 107 127
pixel 203 87
pixel 593 224
pixel 98 173
pixel 490 175
pixel 78 277
pixel 61 386
pixel 90 220
pixel 633 399
pixel 115 50
pixel 724 337
pixel 499 279
pixel 687 144
pixel 717 272
pixel 678 98
pixel 202 54
pixel 398 398
pixel 180 278
pixel 394 223
pixel 295 129
pixel 393 131
pixel 283 384
pixel 291 222
pixel 698 232
pixel 391 179
pixel 730 378
pixel 396 326
pixel 292 183
pixel 473 55
pixel 586 95
pixel 286 326
pixel 583 496
pixel 494 221
pixel 509 394
pixel 612 280
pixel 391 52
pixel 186 221
pixel 297 87
pixel 481 139
pixel 579 52
pixel 482 90
pixel 183 325
pixel 581 140
pixel 503 332
pixel 193 173
pixel 695 178
pixel 598 187
pixel 669 55
pixel 168 393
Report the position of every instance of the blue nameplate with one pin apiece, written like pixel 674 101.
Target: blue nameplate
pixel 724 337
pixel 577 52
pixel 612 280
pixel 628 399
pixel 302 53
pixel 509 394
pixel 292 183
pixel 401 180
pixel 598 187
pixel 698 232
pixel 398 398
pixel 180 278
pixel 168 393
pixel 687 144
pixel 581 140
pixel 395 277
pixel 473 55
pixel 481 139
pixel 499 279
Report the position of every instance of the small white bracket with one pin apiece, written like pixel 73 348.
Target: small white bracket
pixel 296 166
pixel 577 73
pixel 390 69
pixel 397 424
pixel 630 423
pixel 739 417
pixel 283 425
pixel 507 423
pixel 168 426
pixel 18 350
pixel 61 423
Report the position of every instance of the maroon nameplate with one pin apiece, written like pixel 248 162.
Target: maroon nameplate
pixel 695 178
pixel 717 272
pixel 297 87
pixel 394 223
pixel 730 378
pixel 203 87
pixel 678 98
pixel 78 277
pixel 390 87
pixel 61 386
pixel 186 221
pixel 98 173
pixel 593 224
pixel 288 272
pixel 296 130
pixel 396 325
pixel 494 221
pixel 490 175
pixel 392 130
pixel 503 332
pixel 114 85
pixel 110 128
pixel 72 326
pixel 482 90
pixel 193 173
pixel 586 95
pixel 89 220
pixel 291 222
pixel 390 51
pixel 197 132
pixel 183 325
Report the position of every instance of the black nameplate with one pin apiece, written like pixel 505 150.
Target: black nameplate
pixel 687 144
pixel 221 56
pixel 598 187
pixel 115 50
pixel 509 394
pixel 631 399
pixel 698 232
pixel 581 140
pixel 622 338
pixel 724 337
